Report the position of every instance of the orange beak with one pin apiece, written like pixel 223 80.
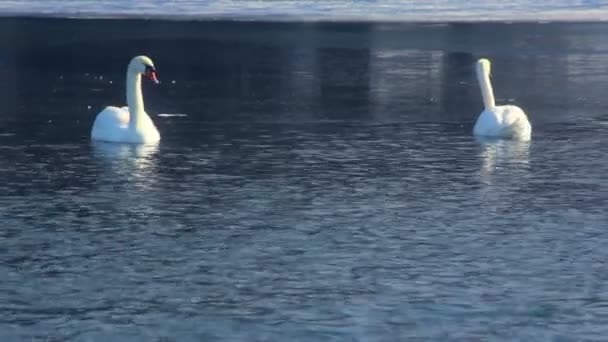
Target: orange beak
pixel 151 74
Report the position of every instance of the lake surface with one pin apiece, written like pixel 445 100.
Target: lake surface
pixel 313 10
pixel 314 182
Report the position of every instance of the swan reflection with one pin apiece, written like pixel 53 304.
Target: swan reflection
pixel 503 160
pixel 135 162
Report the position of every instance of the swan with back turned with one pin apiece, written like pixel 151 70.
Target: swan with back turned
pixel 129 124
pixel 498 121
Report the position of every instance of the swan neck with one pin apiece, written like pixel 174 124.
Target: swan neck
pixel 486 90
pixel 135 100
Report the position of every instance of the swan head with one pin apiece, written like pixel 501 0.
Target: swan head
pixel 483 66
pixel 143 65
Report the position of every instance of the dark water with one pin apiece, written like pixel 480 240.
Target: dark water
pixel 323 184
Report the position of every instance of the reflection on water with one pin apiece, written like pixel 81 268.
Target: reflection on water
pixel 135 161
pixel 503 154
pixel 299 72
pixel 504 171
pixel 138 154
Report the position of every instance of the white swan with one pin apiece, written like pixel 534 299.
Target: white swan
pixel 129 124
pixel 498 121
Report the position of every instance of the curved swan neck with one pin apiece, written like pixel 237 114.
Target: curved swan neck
pixel 135 100
pixel 486 89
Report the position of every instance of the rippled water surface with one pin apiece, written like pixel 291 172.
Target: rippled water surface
pixel 320 184
pixel 374 10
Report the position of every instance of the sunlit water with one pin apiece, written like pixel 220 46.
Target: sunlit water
pixel 375 10
pixel 324 188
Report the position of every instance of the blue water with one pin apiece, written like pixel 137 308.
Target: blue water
pixel 320 183
pixel 375 10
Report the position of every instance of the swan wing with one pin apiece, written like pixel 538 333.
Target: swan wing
pixel 111 124
pixel 515 123
pixel 487 124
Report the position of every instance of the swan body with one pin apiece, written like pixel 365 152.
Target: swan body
pixel 498 121
pixel 129 124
